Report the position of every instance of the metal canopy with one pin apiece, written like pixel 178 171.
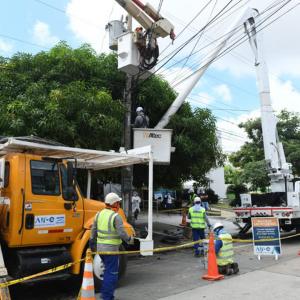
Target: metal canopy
pixel 86 158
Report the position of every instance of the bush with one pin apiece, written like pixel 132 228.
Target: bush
pixel 236 189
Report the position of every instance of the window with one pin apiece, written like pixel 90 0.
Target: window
pixel 67 194
pixel 44 178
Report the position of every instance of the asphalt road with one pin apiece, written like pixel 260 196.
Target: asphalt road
pixel 160 275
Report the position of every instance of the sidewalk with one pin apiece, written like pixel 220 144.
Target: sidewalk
pixel 280 281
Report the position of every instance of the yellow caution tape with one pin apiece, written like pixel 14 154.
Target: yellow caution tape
pixel 157 250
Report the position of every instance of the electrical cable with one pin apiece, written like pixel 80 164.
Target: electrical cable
pixel 239 41
pixel 214 41
pixel 64 12
pixel 176 51
pixel 23 41
pixel 199 38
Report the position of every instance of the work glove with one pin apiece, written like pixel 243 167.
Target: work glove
pixel 131 241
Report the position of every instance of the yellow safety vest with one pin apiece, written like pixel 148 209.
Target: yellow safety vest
pixel 197 218
pixel 225 255
pixel 106 231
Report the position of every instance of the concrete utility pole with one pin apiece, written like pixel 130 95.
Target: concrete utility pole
pixel 127 172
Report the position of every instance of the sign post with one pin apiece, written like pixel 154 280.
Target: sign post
pixel 266 237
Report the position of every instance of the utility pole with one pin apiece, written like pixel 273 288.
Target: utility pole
pixel 127 172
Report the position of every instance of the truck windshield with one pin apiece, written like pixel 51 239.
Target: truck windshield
pixel 44 178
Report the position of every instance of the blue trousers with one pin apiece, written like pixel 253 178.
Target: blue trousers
pixel 198 234
pixel 110 278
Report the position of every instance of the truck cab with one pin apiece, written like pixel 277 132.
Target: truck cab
pixel 45 220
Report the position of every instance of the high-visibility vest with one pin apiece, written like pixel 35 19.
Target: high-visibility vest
pixel 106 232
pixel 197 218
pixel 225 255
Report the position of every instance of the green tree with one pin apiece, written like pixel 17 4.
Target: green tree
pixel 255 173
pixel 232 175
pixel 74 96
pixel 251 155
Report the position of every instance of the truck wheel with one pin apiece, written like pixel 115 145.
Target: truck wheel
pixel 297 229
pixel 98 268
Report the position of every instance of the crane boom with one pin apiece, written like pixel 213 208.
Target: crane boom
pixel 249 13
pixel 148 17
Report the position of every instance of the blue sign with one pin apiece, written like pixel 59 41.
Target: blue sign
pixel 266 236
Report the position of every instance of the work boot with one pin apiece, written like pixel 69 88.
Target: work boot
pixel 229 270
pixel 235 268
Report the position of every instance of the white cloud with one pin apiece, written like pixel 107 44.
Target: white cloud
pixel 233 137
pixel 88 18
pixel 284 95
pixel 42 34
pixel 5 47
pixel 223 91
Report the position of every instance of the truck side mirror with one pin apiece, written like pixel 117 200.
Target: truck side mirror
pixel 70 192
pixel 70 174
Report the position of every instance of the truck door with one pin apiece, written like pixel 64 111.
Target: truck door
pixel 48 217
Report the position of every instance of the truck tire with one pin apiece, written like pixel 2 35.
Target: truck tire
pixel 98 267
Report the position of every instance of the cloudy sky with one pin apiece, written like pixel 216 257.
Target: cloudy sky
pixel 228 87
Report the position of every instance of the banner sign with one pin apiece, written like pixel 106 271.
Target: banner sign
pixel 266 236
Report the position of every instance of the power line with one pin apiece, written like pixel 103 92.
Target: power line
pixel 64 12
pixel 214 41
pixel 183 45
pixel 199 38
pixel 237 42
pixel 23 41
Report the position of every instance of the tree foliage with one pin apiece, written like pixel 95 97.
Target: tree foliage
pixel 74 96
pixel 250 157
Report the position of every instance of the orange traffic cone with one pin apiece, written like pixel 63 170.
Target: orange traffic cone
pixel 87 288
pixel 183 221
pixel 212 272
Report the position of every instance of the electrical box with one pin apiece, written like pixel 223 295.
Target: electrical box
pixel 128 54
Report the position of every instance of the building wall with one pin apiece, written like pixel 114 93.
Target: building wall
pixel 217 183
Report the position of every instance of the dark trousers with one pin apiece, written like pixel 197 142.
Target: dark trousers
pixel 198 234
pixel 110 280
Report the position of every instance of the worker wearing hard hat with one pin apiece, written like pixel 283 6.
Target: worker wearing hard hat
pixel 198 221
pixel 224 251
pixel 108 233
pixel 141 120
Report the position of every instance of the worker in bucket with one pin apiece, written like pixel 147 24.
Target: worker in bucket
pixel 224 251
pixel 141 120
pixel 198 220
pixel 106 236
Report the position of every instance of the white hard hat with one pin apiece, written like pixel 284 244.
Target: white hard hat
pixel 139 109
pixel 112 198
pixel 197 199
pixel 218 225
